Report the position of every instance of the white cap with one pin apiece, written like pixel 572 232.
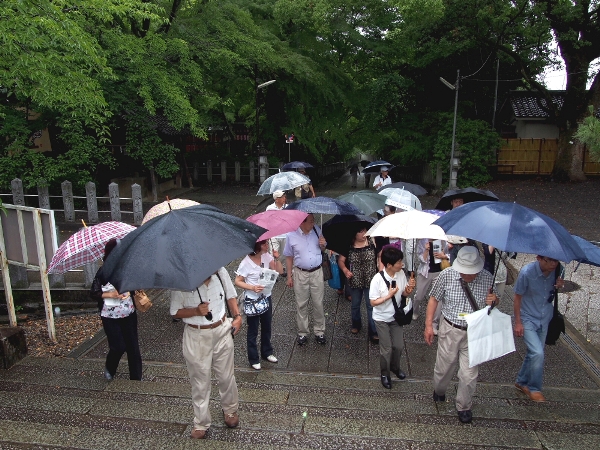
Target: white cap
pixel 384 169
pixel 468 261
pixel 278 194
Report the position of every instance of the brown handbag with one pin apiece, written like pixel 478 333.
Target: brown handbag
pixel 141 300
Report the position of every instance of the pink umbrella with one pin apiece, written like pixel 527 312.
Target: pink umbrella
pixel 278 222
pixel 86 246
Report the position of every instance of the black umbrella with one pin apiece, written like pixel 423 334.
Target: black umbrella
pixel 364 163
pixel 469 195
pixel 375 166
pixel 295 165
pixel 414 189
pixel 179 249
pixel 340 230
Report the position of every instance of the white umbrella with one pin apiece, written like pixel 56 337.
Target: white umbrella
pixel 282 181
pixel 408 225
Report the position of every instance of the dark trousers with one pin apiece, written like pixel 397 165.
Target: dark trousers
pixel 264 320
pixel 122 336
pixel 391 344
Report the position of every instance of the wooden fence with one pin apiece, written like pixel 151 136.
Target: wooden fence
pixel 535 157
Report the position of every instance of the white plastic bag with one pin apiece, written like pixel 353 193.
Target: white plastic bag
pixel 490 336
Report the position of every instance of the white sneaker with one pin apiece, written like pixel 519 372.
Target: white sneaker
pixel 256 366
pixel 271 358
pixel 415 317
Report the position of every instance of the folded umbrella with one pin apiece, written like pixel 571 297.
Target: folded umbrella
pixel 367 201
pixel 277 222
pixel 375 166
pixel 468 195
pixel 282 181
pixel 412 224
pixel 341 229
pixel 414 189
pixel 324 205
pixel 179 249
pixel 295 165
pixel 86 245
pixel 166 206
pixel 512 228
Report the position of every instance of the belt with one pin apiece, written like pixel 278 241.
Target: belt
pixel 309 270
pixel 456 326
pixel 208 327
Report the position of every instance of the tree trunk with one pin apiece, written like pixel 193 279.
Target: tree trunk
pixel 154 186
pixel 569 160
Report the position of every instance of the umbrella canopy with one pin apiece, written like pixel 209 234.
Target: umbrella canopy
pixel 166 206
pixel 592 252
pixel 412 224
pixel 277 222
pixel 435 212
pixel 282 181
pixel 367 201
pixel 324 205
pixel 469 195
pixel 414 189
pixel 340 230
pixel 512 228
pixel 295 165
pixel 86 246
pixel 404 200
pixel 179 249
pixel 375 166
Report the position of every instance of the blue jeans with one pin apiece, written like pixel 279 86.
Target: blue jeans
pixel 532 370
pixel 357 296
pixel 264 320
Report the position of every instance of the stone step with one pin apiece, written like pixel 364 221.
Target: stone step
pixel 67 403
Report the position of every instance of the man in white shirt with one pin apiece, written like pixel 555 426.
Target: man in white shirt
pixel 279 198
pixel 303 249
pixel 383 178
pixel 207 337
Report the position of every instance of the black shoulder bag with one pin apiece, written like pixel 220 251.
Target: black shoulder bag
pixel 557 323
pixel 400 316
pixel 469 295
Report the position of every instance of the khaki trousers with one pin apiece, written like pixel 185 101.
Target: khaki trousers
pixel 453 348
pixel 201 350
pixel 391 344
pixel 309 286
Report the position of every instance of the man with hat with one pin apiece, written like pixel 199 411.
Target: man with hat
pixel 277 243
pixel 461 289
pixel 383 178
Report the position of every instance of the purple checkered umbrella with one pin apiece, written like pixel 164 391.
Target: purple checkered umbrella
pixel 86 246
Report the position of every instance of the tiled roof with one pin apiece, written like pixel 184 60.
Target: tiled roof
pixel 527 104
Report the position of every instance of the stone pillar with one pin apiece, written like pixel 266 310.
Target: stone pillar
pixel 92 202
pixel 237 171
pixel 115 202
pixel 251 168
pixel 18 194
pixel 89 272
pixel 209 171
pixel 223 171
pixel 43 195
pixel 69 205
pixel 263 169
pixel 138 208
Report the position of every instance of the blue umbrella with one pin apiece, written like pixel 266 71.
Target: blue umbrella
pixel 324 205
pixel 592 252
pixel 294 165
pixel 512 228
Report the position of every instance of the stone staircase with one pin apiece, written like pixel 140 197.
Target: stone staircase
pixel 66 403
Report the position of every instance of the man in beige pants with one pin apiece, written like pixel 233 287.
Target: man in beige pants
pixel 451 289
pixel 303 253
pixel 208 341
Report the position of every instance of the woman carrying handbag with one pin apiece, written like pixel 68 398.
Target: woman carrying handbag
pixel 257 307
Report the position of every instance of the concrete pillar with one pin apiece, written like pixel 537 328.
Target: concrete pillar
pixel 68 204
pixel 138 209
pixel 115 202
pixel 92 202
pixel 223 171
pixel 263 169
pixel 18 193
pixel 43 195
pixel 237 171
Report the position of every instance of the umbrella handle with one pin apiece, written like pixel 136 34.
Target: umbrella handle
pixel 209 315
pixel 491 307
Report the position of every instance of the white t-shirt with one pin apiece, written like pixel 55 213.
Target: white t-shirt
pixel 383 181
pixel 385 311
pixel 273 207
pixel 251 272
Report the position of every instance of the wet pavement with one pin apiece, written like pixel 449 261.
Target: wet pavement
pixel 316 396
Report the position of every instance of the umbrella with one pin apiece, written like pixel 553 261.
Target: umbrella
pixel 435 212
pixel 166 206
pixel 340 230
pixel 469 195
pixel 375 166
pixel 324 205
pixel 294 165
pixel 592 252
pixel 277 222
pixel 512 228
pixel 282 181
pixel 364 163
pixel 412 224
pixel 86 246
pixel 414 189
pixel 404 200
pixel 367 201
pixel 179 249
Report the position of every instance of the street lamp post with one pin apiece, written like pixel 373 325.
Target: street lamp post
pixel 453 172
pixel 263 166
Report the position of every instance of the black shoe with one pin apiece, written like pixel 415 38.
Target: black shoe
pixel 320 339
pixel 400 374
pixel 465 416
pixel 439 398
pixel 386 382
pixel 301 340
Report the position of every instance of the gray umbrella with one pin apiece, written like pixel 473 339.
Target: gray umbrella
pixel 282 181
pixel 367 201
